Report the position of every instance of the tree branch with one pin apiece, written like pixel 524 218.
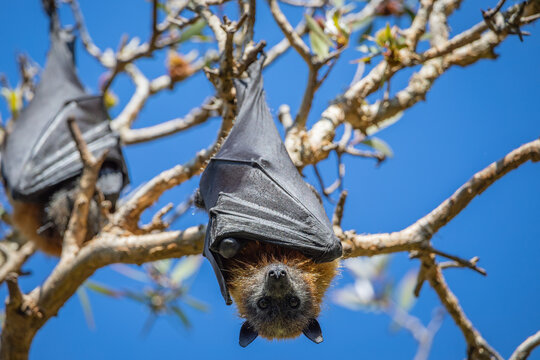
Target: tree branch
pixel 195 117
pixel 416 236
pixel 464 49
pixel 524 349
pixel 14 259
pixel 292 36
pixel 77 226
pixel 26 314
pixel 478 348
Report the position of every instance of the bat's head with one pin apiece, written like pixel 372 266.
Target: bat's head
pixel 280 296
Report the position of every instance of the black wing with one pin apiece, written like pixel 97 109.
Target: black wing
pixel 253 191
pixel 39 152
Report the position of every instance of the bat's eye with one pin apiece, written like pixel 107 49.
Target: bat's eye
pixel 263 303
pixel 294 302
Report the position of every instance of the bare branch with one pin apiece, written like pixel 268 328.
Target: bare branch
pixel 524 349
pixel 418 26
pixel 292 36
pixel 128 215
pixel 491 12
pixel 307 99
pixel 44 302
pixel 416 235
pixel 352 106
pixel 83 31
pixel 284 45
pixel 157 223
pixel 214 23
pixel 464 263
pixel 77 226
pixel 338 211
pixel 15 295
pixel 142 90
pixel 305 3
pixel 15 259
pixel 457 41
pixel 478 348
pixel 196 116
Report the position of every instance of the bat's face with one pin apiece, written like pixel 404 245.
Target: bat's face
pixel 279 302
pixel 277 291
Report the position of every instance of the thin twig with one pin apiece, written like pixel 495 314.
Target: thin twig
pixel 465 263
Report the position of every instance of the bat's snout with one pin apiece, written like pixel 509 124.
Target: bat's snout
pixel 276 272
pixel 278 280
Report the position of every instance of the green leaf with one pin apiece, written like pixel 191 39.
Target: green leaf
pixel 110 99
pixel 405 293
pixel 185 268
pixel 130 272
pixel 320 42
pixel 363 49
pixel 202 39
pixel 383 124
pixel 379 145
pixel 139 297
pixel 313 26
pixel 366 59
pixel 13 99
pixel 319 47
pixel 374 50
pixel 181 315
pixel 102 289
pixel 367 21
pixel 162 7
pixel 426 36
pixel 194 30
pixel 384 36
pixel 381 263
pixel 336 16
pixel 162 266
pixel 196 304
pixel 411 13
pixel 87 308
pixel 365 33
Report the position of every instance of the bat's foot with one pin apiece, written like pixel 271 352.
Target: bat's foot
pixel 198 200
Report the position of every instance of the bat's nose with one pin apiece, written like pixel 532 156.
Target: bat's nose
pixel 277 272
pixel 278 282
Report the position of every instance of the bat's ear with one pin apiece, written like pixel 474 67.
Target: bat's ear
pixel 247 334
pixel 313 331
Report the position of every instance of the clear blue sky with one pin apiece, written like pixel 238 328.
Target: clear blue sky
pixel 472 117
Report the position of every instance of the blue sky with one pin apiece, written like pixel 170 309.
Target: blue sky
pixel 472 117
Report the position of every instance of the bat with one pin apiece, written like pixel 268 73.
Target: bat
pixel 268 238
pixel 40 163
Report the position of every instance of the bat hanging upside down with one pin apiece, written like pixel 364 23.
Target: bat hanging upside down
pixel 40 162
pixel 268 238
